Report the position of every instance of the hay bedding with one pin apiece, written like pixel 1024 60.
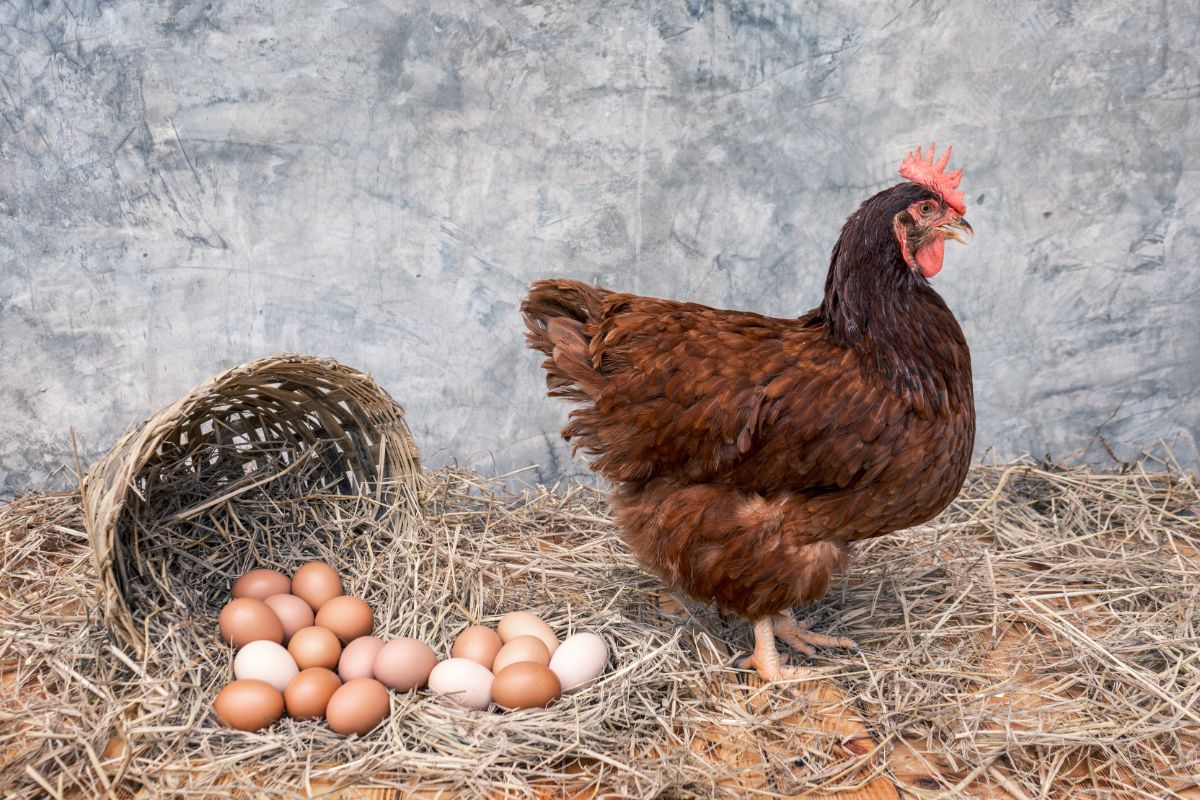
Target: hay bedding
pixel 1038 640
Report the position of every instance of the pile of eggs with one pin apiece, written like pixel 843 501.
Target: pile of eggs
pixel 306 647
pixel 521 664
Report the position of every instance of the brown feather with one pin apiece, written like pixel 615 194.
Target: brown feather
pixel 750 452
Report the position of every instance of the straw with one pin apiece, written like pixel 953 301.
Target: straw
pixel 1037 640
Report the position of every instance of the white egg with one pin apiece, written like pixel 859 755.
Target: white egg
pixel 464 681
pixel 579 660
pixel 265 661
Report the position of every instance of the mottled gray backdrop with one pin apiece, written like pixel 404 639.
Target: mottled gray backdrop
pixel 188 185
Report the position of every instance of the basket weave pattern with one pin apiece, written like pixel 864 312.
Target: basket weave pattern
pixel 327 427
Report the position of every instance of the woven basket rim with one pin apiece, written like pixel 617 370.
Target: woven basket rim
pixel 107 485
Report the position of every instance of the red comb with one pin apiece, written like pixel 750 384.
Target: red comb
pixel 923 171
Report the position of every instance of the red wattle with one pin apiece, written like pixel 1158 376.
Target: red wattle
pixel 929 257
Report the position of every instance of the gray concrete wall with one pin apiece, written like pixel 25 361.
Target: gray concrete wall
pixel 188 185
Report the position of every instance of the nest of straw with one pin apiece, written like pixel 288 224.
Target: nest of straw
pixel 1038 640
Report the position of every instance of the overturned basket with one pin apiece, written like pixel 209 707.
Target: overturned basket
pixel 269 430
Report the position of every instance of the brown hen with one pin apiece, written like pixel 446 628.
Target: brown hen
pixel 747 452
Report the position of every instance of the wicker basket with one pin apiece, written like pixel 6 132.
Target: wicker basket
pixel 238 433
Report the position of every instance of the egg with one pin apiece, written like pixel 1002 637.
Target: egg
pixel 358 658
pixel 522 623
pixel 316 583
pixel 357 706
pixel 307 695
pixel 525 685
pixel 348 617
pixel 404 664
pixel 246 620
pixel 478 644
pixel 265 661
pixel 463 681
pixel 579 660
pixel 522 648
pixel 315 647
pixel 261 584
pixel 293 613
pixel 248 705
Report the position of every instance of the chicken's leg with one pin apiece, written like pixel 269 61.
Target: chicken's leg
pixel 797 635
pixel 765 659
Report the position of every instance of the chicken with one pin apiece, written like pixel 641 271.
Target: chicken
pixel 748 453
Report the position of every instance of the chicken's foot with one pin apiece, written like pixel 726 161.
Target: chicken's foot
pixel 797 635
pixel 765 659
pixel 784 626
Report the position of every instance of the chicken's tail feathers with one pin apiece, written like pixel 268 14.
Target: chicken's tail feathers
pixel 560 297
pixel 556 312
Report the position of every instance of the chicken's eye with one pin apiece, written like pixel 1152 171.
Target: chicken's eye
pixel 926 209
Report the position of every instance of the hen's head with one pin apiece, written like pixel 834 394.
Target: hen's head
pixel 889 248
pixel 927 217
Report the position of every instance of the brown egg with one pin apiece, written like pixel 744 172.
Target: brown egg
pixel 261 584
pixel 248 705
pixel 404 664
pixel 358 658
pixel 248 620
pixel 307 694
pixel 522 648
pixel 358 706
pixel 348 617
pixel 293 612
pixel 477 643
pixel 316 584
pixel 522 623
pixel 525 685
pixel 315 647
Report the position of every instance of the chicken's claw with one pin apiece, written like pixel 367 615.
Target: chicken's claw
pixel 765 658
pixel 780 671
pixel 797 635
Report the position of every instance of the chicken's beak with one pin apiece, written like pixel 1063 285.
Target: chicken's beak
pixel 955 230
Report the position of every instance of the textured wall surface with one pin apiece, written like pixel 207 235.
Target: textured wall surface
pixel 188 185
